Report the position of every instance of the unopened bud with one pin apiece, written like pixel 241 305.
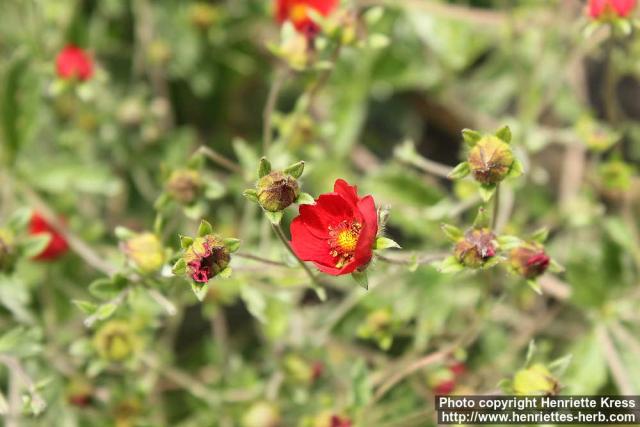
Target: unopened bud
pixel 476 248
pixel 535 381
pixel 490 160
pixel 203 15
pixel 262 414
pixel 277 191
pixel 145 252
pixel 206 257
pixel 185 185
pixel 529 260
pixel 115 341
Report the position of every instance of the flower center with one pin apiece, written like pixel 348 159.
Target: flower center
pixel 298 13
pixel 343 240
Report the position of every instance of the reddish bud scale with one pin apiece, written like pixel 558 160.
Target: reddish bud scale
pixel 297 12
pixel 57 246
pixel 338 232
pixel 529 260
pixel 74 63
pixel 206 257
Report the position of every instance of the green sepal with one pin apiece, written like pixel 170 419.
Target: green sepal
pixel 555 267
pixel 264 167
pixel 232 244
pixel 471 137
pixel 460 171
pixel 487 191
pixel 225 273
pixel 535 286
pixel 179 267
pixel 251 195
pixel 205 228
pixel 517 169
pixel 541 235
pixel 482 219
pixel 504 133
pixel 449 265
pixel 361 278
pixel 305 199
pixel 185 241
pixel 385 243
pixel 200 290
pixel 274 217
pixel 295 170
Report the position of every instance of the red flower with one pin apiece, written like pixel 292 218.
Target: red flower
pixel 297 11
pixel 602 8
pixel 337 421
pixel 338 232
pixel 74 63
pixel 57 245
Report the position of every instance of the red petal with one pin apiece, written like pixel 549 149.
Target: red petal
pixel 306 245
pixel 623 7
pixel 348 192
pixel 364 250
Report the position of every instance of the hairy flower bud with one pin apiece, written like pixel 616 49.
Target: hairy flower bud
pixel 535 381
pixel 262 414
pixel 206 257
pixel 490 160
pixel 277 191
pixel 145 252
pixel 115 341
pixel 185 185
pixel 529 260
pixel 7 251
pixel 476 248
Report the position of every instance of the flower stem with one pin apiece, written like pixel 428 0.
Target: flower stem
pixel 322 295
pixel 496 208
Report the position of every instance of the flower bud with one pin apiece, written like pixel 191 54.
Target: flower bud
pixel 476 248
pixel 203 15
pixel 145 252
pixel 277 191
pixel 535 381
pixel 115 341
pixel 262 414
pixel 490 160
pixel 80 393
pixel 206 257
pixel 529 260
pixel 7 251
pixel 185 185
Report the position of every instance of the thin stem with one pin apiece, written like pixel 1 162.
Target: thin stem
pixel 270 106
pixel 221 160
pixel 496 208
pixel 259 259
pixel 320 292
pixel 424 259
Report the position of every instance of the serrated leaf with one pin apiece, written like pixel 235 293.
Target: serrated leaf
pixel 487 191
pixel 460 171
pixel 504 133
pixel 264 167
pixel 251 195
pixel 232 244
pixel 205 228
pixel 200 290
pixel 305 199
pixel 361 278
pixel 105 311
pixel 385 243
pixel 179 267
pixel 86 307
pixel 274 217
pixel 471 137
pixel 295 170
pixel 452 232
pixel 35 245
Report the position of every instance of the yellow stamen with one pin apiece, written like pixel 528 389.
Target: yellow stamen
pixel 298 13
pixel 347 240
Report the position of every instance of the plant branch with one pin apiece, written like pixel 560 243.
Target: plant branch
pixel 270 106
pixel 221 160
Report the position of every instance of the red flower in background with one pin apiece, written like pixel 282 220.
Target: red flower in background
pixel 74 63
pixel 57 246
pixel 621 8
pixel 297 11
pixel 337 421
pixel 338 232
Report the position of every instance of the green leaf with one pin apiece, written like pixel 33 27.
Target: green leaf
pixel 86 307
pixel 504 133
pixel 517 169
pixel 232 244
pixel 305 199
pixel 226 273
pixel 200 290
pixel 103 288
pixel 106 310
pixel 295 170
pixel 205 228
pixel 274 217
pixel 19 219
pixel 460 171
pixel 385 243
pixel 123 233
pixel 251 195
pixel 452 232
pixel 179 267
pixel 34 245
pixel 535 286
pixel 540 235
pixel 361 278
pixel 185 241
pixel 471 137
pixel 449 265
pixel 487 191
pixel 264 167
pixel 555 267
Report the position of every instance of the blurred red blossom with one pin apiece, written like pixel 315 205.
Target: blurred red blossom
pixel 297 11
pixel 74 63
pixel 338 232
pixel 57 246
pixel 602 8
